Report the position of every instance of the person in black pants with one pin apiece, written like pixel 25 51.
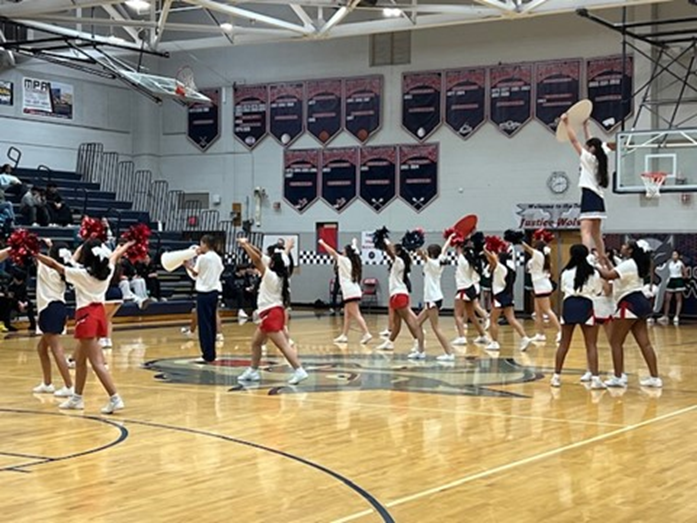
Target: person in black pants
pixel 147 270
pixel 18 300
pixel 206 272
pixel 335 291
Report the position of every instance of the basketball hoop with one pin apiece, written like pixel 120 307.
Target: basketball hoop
pixel 653 182
pixel 185 81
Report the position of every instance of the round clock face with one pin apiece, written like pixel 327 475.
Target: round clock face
pixel 558 183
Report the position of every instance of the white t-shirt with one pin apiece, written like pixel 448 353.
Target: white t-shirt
pixel 465 275
pixel 50 287
pixel 589 173
pixel 209 267
pixel 88 289
pixel 270 291
pixel 675 269
pixel 349 288
pixel 541 282
pixel 591 289
pixel 628 281
pixel 604 305
pixel 396 280
pixel 433 270
pixel 498 278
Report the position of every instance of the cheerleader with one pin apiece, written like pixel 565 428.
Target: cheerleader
pixel 633 308
pixel 580 284
pixel 50 302
pixel 90 281
pixel 539 267
pixel 677 273
pixel 399 298
pixel 273 294
pixel 467 281
pixel 349 269
pixel 433 299
pixel 502 280
pixel 593 179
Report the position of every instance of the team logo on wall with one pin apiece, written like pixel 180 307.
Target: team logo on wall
pixel 339 176
pixel 421 98
pixel 557 85
pixel 286 122
pixel 510 97
pixel 324 106
pixel 251 106
pixel 548 216
pixel 465 100
pixel 203 120
pixel 362 106
pixel 418 175
pixel 472 376
pixel 378 176
pixel 300 179
pixel 610 87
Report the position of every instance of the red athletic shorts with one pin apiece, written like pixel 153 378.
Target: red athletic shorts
pixel 273 320
pixel 90 322
pixel 399 301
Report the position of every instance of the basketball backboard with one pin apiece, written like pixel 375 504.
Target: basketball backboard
pixel 672 151
pixel 162 87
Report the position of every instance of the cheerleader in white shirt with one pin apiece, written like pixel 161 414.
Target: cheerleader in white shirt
pixel 467 283
pixel 399 298
pixel 502 280
pixel 593 179
pixel 677 273
pixel 633 309
pixel 580 284
pixel 539 267
pixel 50 302
pixel 433 299
pixel 273 293
pixel 90 281
pixel 349 273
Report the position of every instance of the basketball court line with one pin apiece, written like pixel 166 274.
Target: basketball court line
pixel 518 463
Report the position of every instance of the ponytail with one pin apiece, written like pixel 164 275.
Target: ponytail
pixel 642 258
pixel 544 249
pixel 356 264
pixel 97 265
pixel 278 266
pixel 579 260
pixel 600 155
pixel 402 253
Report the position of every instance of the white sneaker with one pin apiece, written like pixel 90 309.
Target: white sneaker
pixel 385 333
pixel 461 340
pixel 624 379
pixel 651 382
pixel 299 375
pixel 106 343
pixel 557 338
pixel 416 355
pixel 186 331
pixel 64 392
pixel 446 357
pixel 481 339
pixel 586 377
pixel 341 339
pixel 676 321
pixel 366 338
pixel 524 342
pixel 597 383
pixel 44 389
pixel 249 374
pixel 614 381
pixel 539 337
pixel 74 402
pixel 493 345
pixel 663 320
pixel 219 337
pixel 115 403
pixel 555 381
pixel 385 345
pixel 242 314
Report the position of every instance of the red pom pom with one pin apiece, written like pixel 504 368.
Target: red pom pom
pixel 457 240
pixel 92 229
pixel 140 234
pixel 23 245
pixel 543 235
pixel 495 244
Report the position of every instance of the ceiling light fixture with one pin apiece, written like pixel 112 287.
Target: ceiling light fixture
pixel 392 12
pixel 138 5
pixel 226 26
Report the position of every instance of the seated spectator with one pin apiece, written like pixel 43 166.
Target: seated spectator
pixel 51 192
pixel 17 300
pixel 110 238
pixel 33 207
pixel 133 286
pixel 7 214
pixel 239 290
pixel 10 183
pixel 59 212
pixel 147 270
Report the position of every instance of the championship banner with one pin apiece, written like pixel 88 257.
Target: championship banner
pixel 6 93
pixel 339 176
pixel 418 175
pixel 300 183
pixel 363 106
pixel 378 178
pixel 465 100
pixel 610 88
pixel 286 111
pixel 547 215
pixel 203 125
pixel 421 98
pixel 510 97
pixel 251 113
pixel 324 106
pixel 47 98
pixel 557 85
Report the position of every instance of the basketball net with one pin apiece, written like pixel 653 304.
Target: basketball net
pixel 185 81
pixel 653 183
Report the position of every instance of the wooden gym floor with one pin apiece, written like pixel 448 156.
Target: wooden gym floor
pixel 370 437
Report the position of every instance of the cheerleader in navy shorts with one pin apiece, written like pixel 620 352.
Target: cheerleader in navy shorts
pixel 580 284
pixel 633 309
pixel 502 280
pixel 467 283
pixel 50 302
pixel 677 273
pixel 539 268
pixel 90 280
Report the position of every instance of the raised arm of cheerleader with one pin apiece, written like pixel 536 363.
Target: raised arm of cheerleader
pixel 329 249
pixel 51 263
pixel 253 253
pixel 389 250
pixel 572 134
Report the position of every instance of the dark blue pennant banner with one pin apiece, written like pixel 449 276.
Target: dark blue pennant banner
pixel 203 125
pixel 465 100
pixel 300 178
pixel 378 177
pixel 421 99
pixel 251 113
pixel 339 176
pixel 286 121
pixel 610 87
pixel 363 106
pixel 418 175
pixel 510 97
pixel 557 85
pixel 324 109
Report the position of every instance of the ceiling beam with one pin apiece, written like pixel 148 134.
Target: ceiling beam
pixel 36 7
pixel 155 40
pixel 115 15
pixel 302 15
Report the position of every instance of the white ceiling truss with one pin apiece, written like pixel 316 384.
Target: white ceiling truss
pixel 173 25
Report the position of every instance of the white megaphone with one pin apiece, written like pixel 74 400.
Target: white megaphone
pixel 171 261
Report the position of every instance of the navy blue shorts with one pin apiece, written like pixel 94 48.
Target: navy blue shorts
pixel 592 205
pixel 503 300
pixel 52 319
pixel 471 293
pixel 634 306
pixel 577 310
pixel 114 294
